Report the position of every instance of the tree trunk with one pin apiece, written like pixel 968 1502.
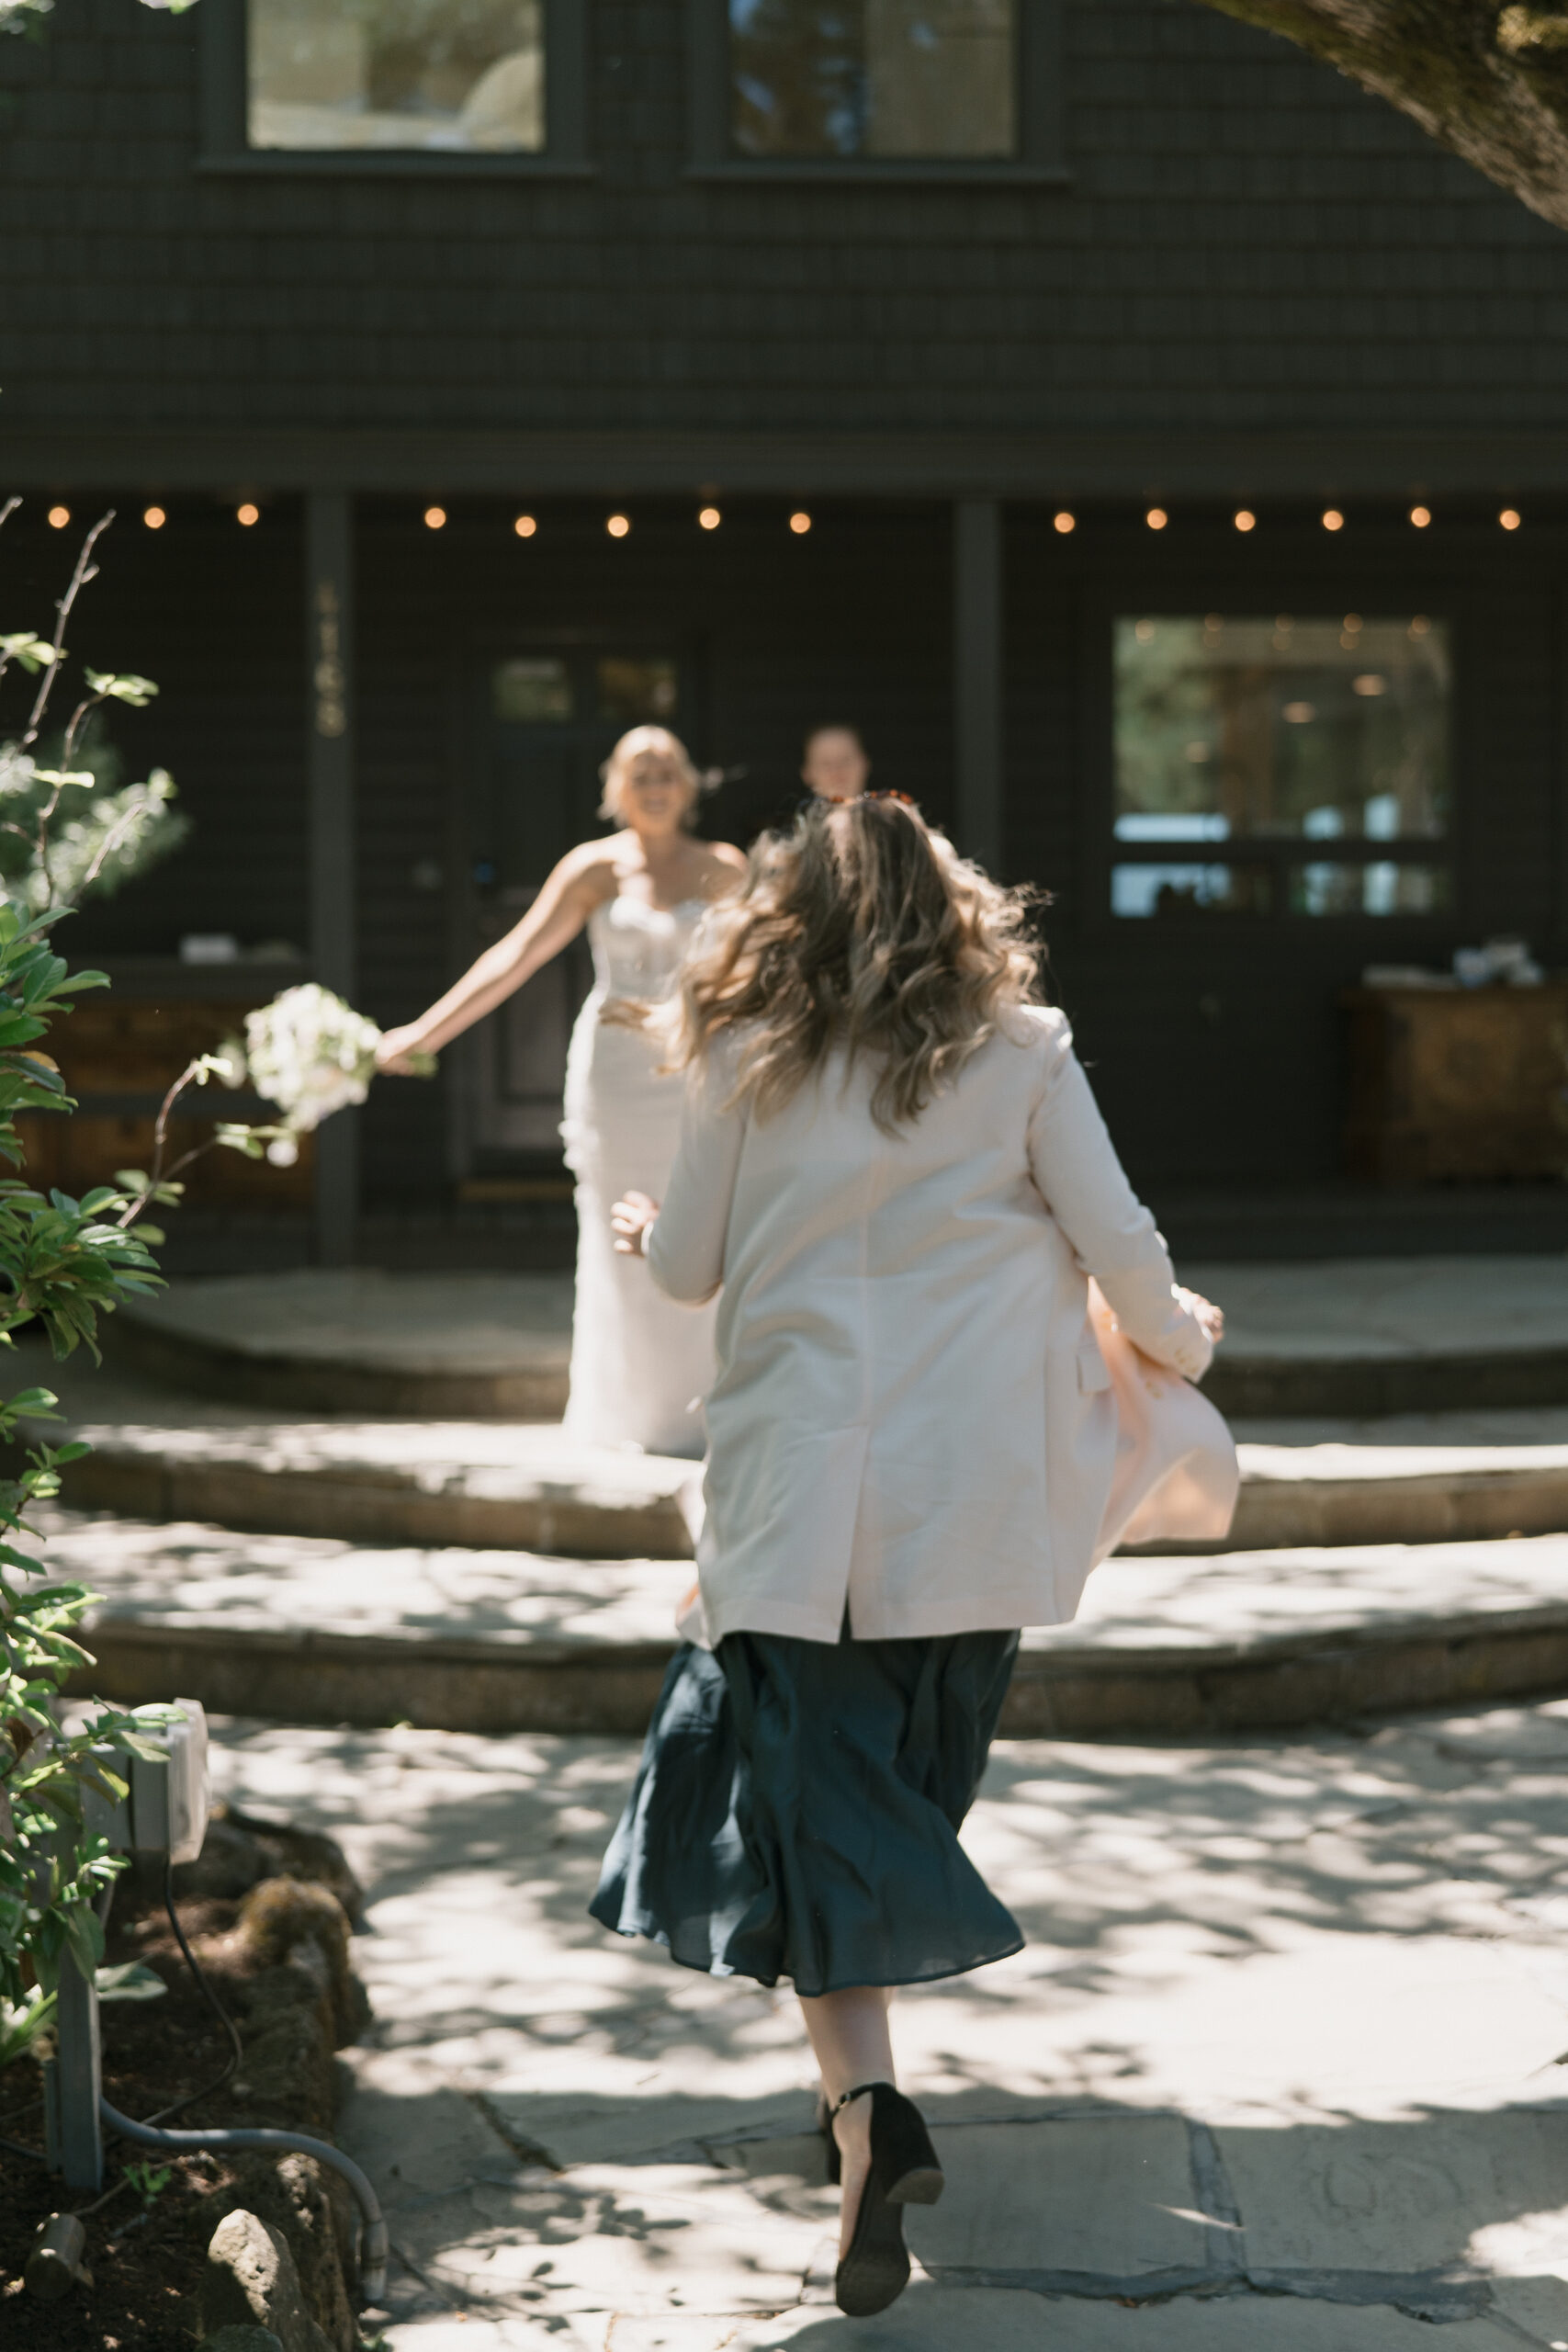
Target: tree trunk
pixel 1488 80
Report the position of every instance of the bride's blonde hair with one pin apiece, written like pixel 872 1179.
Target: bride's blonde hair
pixel 861 929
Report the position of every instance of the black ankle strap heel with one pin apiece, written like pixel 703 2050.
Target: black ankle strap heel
pixel 904 2171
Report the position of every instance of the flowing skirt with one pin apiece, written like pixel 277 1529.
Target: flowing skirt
pixel 639 1363
pixel 797 1808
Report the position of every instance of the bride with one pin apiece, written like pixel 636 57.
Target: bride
pixel 637 1361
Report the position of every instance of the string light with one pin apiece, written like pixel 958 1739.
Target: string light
pixel 525 526
pixel 1332 519
pixel 155 517
pixel 435 517
pixel 1510 518
pixel 1157 518
pixel 617 525
pixel 58 517
pixel 1420 517
pixel 1244 519
pixel 1063 522
pixel 800 521
pixel 710 518
pixel 247 514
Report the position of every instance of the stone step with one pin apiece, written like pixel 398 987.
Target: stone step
pixel 1376 1336
pixel 521 1487
pixel 1362 1337
pixel 307 1629
pixel 446 1346
pixel 527 1488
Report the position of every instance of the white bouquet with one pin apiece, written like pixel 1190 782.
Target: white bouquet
pixel 310 1054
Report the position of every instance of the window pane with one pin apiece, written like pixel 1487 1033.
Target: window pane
pixel 1312 728
pixel 873 77
pixel 456 75
pixel 1377 889
pixel 635 694
pixel 534 689
pixel 1174 890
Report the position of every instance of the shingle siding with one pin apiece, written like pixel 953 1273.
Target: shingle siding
pixel 1248 241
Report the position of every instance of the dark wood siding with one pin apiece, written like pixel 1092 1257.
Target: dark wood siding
pixel 1248 242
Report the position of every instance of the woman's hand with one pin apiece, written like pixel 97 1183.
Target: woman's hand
pixel 392 1053
pixel 1208 1318
pixel 631 1221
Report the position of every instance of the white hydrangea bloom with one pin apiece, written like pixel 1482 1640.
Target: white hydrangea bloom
pixel 310 1054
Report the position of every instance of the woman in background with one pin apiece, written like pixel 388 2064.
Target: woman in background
pixel 892 1163
pixel 637 1362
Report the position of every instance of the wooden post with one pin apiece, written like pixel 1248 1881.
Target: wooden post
pixel 329 568
pixel 77 2083
pixel 978 677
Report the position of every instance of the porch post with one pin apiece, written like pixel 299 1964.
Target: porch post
pixel 329 578
pixel 977 674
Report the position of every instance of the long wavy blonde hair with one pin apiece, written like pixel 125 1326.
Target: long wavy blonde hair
pixel 865 930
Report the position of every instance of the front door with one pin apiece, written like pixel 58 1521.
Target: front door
pixel 552 714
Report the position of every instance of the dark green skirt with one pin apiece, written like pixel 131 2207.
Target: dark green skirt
pixel 797 1808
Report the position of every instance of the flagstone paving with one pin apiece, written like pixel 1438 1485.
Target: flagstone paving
pixel 1277 2072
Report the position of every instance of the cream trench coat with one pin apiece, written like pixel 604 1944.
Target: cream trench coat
pixel 911 1415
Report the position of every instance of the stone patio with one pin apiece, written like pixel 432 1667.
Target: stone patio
pixel 1278 2068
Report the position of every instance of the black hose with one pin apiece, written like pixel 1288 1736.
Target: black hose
pixel 373 2247
pixel 178 2106
pixel 14 2148
pixel 372 2243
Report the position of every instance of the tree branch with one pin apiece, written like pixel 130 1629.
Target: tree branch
pixel 1486 80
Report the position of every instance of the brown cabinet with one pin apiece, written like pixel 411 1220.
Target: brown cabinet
pixel 1457 1084
pixel 118 1053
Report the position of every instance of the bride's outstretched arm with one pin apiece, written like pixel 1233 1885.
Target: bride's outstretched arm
pixel 569 896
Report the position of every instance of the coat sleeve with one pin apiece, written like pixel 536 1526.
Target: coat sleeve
pixel 685 1246
pixel 1085 1187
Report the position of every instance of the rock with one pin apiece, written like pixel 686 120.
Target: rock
pixel 313 2209
pixel 250 2282
pixel 248 2338
pixel 304 1854
pixel 241 1850
pixel 303 1923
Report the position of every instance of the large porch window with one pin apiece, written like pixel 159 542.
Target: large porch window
pixel 458 75
pixel 1291 764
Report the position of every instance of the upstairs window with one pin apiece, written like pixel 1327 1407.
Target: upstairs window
pixel 868 89
pixel 463 76
pixel 408 88
pixel 899 79
pixel 1288 766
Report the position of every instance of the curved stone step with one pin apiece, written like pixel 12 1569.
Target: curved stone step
pixel 1369 1337
pixel 1361 1336
pixel 525 1488
pixel 444 1347
pixel 307 1629
pixel 529 1488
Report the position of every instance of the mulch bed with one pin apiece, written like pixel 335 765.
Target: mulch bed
pixel 145 2253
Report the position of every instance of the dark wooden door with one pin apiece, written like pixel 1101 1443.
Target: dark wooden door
pixel 551 714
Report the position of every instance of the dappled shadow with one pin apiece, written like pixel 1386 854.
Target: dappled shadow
pixel 1330 1965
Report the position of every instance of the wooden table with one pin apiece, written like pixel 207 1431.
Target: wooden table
pixel 1463 1085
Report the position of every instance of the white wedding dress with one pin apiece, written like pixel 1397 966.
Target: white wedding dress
pixel 638 1362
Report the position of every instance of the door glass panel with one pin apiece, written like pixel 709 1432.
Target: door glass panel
pixel 453 74
pixel 636 692
pixel 533 690
pixel 888 78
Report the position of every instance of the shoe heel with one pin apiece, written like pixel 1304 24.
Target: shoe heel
pixel 912 2169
